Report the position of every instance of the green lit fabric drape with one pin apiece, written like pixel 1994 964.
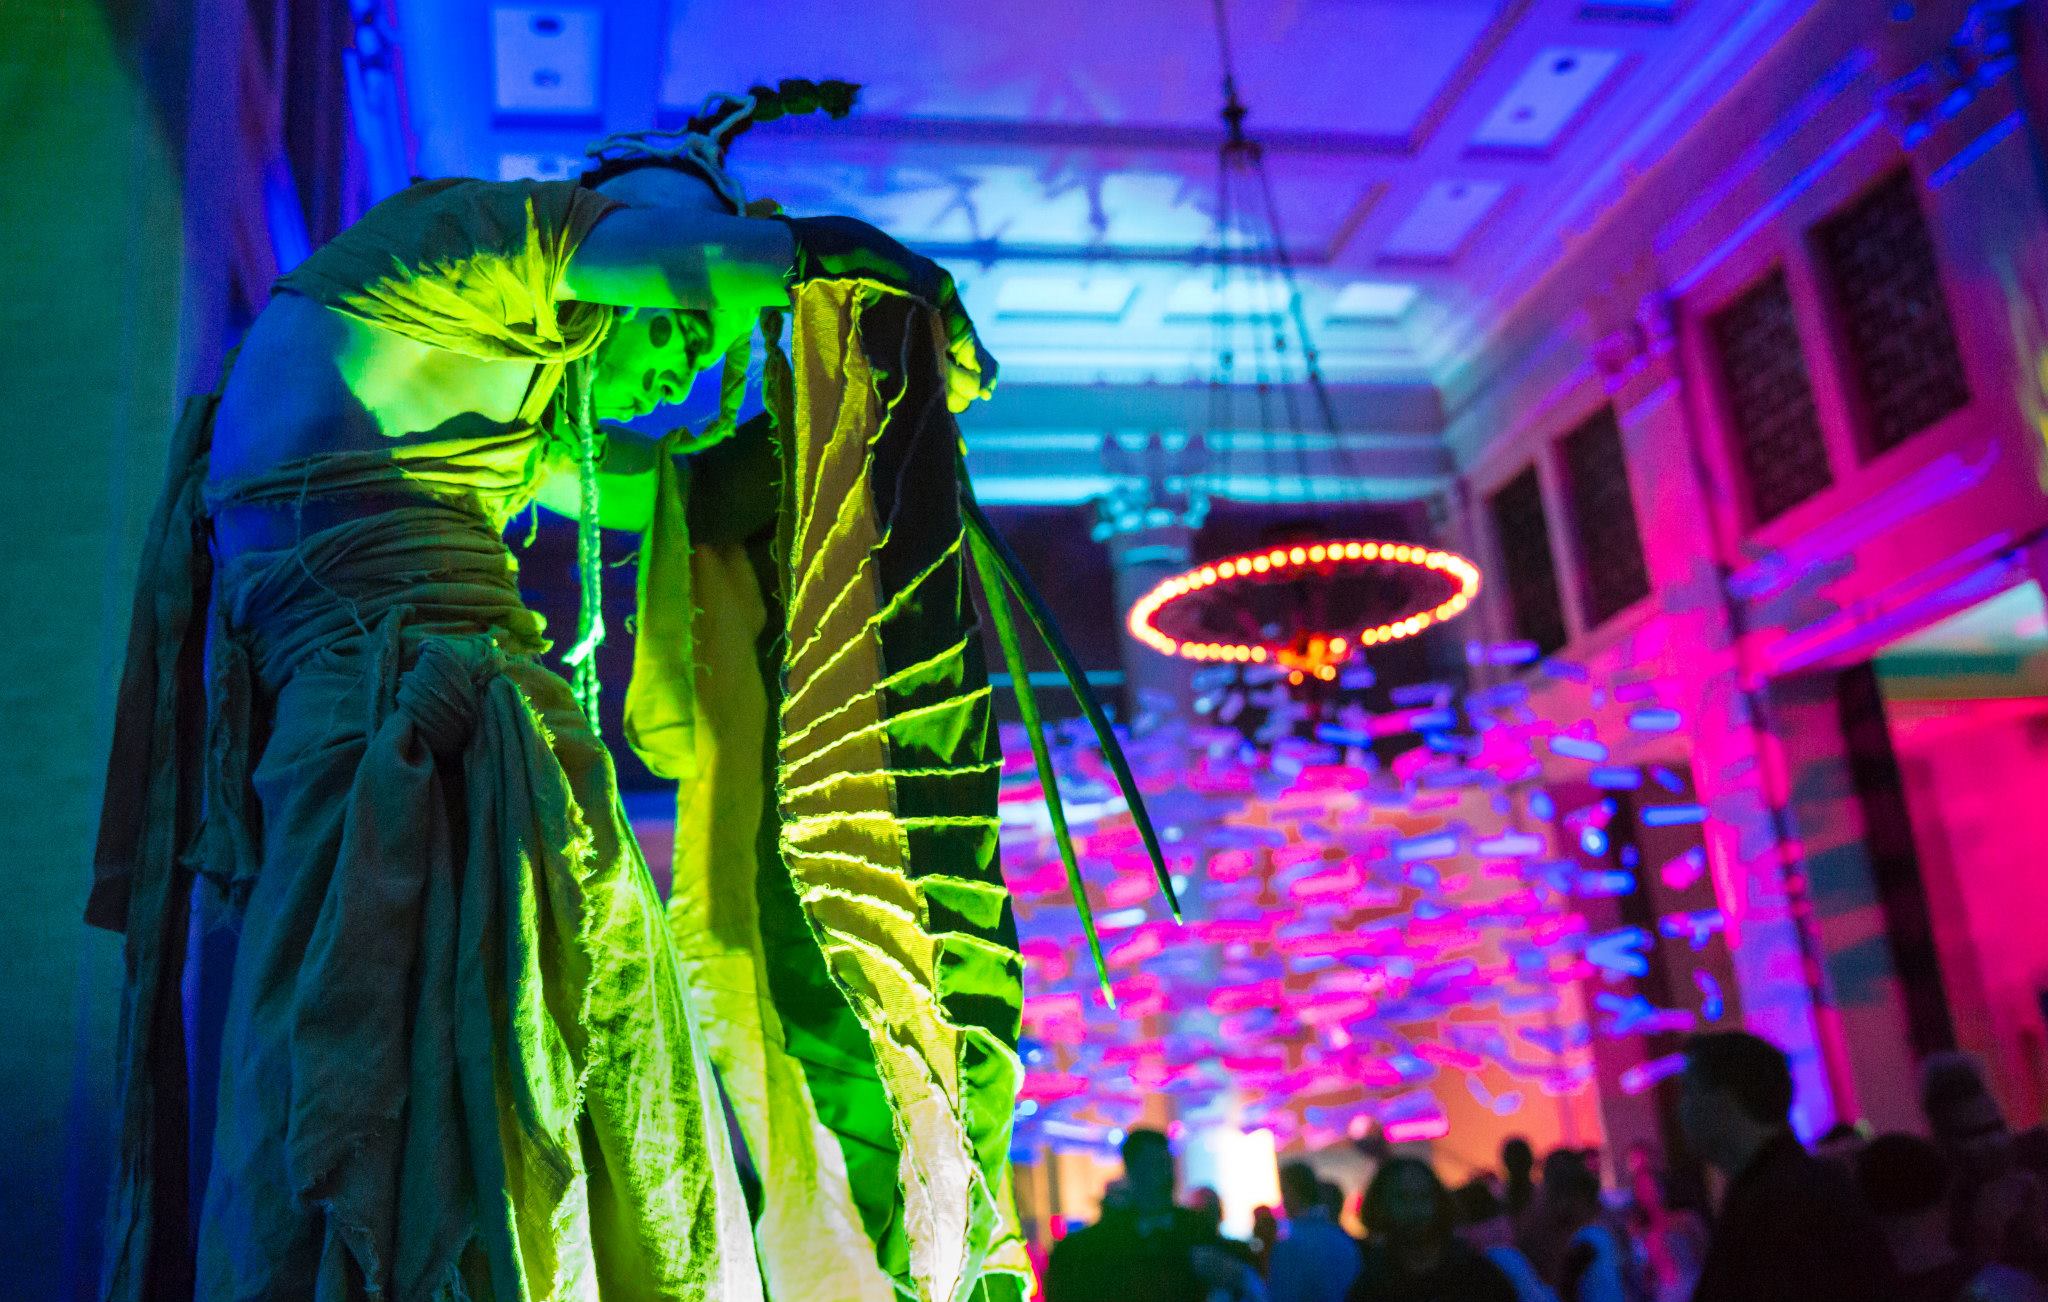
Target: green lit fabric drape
pixel 844 927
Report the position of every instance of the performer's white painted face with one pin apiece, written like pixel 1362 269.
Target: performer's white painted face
pixel 653 355
pixel 650 359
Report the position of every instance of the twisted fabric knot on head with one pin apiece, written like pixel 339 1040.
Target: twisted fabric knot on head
pixel 441 692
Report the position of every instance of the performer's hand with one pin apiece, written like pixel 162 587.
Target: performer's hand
pixel 970 368
pixel 844 248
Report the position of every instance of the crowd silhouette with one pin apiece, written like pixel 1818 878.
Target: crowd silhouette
pixel 1747 1214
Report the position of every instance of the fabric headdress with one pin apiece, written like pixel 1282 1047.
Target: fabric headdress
pixel 700 145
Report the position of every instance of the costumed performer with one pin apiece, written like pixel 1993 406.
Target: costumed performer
pixel 457 1058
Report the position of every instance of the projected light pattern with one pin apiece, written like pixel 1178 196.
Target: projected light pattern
pixel 1383 928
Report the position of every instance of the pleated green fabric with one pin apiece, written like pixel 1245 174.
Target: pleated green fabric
pixel 889 769
pixel 859 967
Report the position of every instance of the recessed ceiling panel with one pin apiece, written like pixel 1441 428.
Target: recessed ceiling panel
pixel 1438 226
pixel 1547 98
pixel 1064 297
pixel 1306 66
pixel 1198 298
pixel 545 59
pixel 1367 302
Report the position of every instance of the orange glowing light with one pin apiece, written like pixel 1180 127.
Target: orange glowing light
pixel 1322 652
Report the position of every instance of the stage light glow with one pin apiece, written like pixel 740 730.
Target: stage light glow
pixel 1329 649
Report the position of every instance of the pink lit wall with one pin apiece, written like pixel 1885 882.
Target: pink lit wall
pixel 1975 771
pixel 1898 540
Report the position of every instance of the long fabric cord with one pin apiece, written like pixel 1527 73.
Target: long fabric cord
pixel 582 657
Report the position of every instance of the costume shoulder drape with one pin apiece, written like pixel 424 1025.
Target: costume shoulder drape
pixel 845 925
pixel 474 267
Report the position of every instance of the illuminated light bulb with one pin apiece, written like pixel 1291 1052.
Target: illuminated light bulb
pixel 1259 654
pixel 1298 556
pixel 1278 556
pixel 1260 564
pixel 1338 646
pixel 1326 673
pixel 1316 554
pixel 1294 678
pixel 1372 551
pixel 1208 575
pixel 1227 570
pixel 1352 551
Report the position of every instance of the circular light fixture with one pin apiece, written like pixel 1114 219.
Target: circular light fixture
pixel 1169 618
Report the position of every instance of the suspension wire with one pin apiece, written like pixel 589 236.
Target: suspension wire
pixel 1222 398
pixel 1311 361
pixel 1229 213
pixel 1223 51
pixel 1238 147
pixel 1270 447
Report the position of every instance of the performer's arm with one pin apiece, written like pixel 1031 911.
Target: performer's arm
pixel 734 266
pixel 682 257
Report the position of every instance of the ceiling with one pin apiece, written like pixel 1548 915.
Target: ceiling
pixel 1429 159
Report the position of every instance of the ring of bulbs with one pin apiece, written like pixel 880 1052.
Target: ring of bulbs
pixel 1326 649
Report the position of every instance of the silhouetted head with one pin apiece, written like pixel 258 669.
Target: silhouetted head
pixel 1148 1170
pixel 1406 1203
pixel 1299 1190
pixel 1735 1092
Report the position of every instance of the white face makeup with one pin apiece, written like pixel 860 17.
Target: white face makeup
pixel 652 355
pixel 650 359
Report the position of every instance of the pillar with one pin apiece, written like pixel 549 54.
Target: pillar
pixel 1141 558
pixel 92 209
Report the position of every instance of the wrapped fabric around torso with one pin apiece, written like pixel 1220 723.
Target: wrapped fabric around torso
pixel 456 1058
pixel 388 768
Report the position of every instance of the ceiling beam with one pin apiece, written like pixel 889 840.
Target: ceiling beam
pixel 1374 410
pixel 1008 133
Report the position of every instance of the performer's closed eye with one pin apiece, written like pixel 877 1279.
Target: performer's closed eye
pixel 658 331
